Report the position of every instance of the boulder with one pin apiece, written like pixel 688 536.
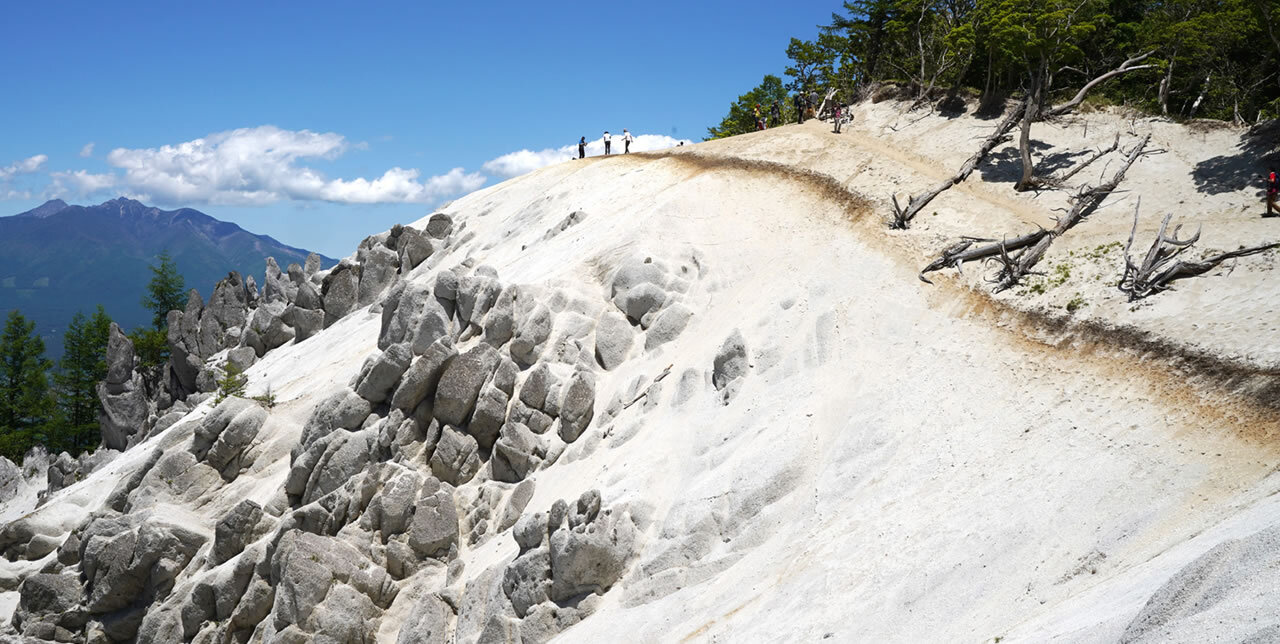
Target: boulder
pixel 275 287
pixel 527 580
pixel 422 377
pixel 227 308
pixel 226 433
pixel 477 293
pixel 456 458
pixel 730 366
pixel 446 285
pixel 124 414
pixel 641 299
pixel 461 382
pixel 305 322
pixel 578 406
pixel 48 607
pixel 592 555
pixel 134 556
pixel 235 530
pixel 537 385
pixel 434 532
pixel 614 337
pixel 334 459
pixel 379 266
pixel 381 373
pixel 308 297
pixel 634 272
pixel 269 326
pixel 414 248
pixel 120 358
pixel 439 225
pixel 339 291
pixel 428 623
pixel 242 357
pixel 312 265
pixel 517 453
pixel 489 415
pixel 531 335
pixel 667 326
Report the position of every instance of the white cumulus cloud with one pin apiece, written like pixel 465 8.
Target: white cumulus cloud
pixel 79 183
pixel 262 165
pixel 522 161
pixel 25 166
pixel 87 150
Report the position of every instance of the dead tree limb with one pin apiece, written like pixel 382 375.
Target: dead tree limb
pixel 1019 255
pixel 1130 65
pixel 1060 180
pixel 1161 265
pixel 902 216
pixel 965 251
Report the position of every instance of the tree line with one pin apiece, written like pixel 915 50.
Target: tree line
pixel 56 404
pixel 1216 59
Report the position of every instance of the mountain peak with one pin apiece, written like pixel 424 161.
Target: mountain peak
pixel 50 207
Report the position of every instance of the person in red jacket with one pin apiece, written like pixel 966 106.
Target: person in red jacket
pixel 1273 189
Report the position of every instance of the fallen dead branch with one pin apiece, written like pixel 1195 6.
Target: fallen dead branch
pixel 902 216
pixel 1063 179
pixel 1161 265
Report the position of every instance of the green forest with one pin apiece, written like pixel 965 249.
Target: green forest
pixel 55 404
pixel 1186 59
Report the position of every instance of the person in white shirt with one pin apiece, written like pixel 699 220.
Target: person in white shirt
pixel 626 141
pixel 606 141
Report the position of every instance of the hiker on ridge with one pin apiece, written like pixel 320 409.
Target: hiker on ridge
pixel 759 119
pixel 626 141
pixel 1273 189
pixel 775 115
pixel 837 115
pixel 799 101
pixel 582 148
pixel 606 141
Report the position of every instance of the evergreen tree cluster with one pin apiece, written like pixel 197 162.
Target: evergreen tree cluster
pixel 1216 59
pixel 56 405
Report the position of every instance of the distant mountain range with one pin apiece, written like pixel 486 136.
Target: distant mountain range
pixel 57 259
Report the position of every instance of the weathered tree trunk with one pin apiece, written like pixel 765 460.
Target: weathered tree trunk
pixel 1164 85
pixel 1030 112
pixel 1204 89
pixel 902 216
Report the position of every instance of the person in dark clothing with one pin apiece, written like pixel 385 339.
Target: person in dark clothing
pixel 799 101
pixel 1273 190
pixel 775 115
pixel 582 148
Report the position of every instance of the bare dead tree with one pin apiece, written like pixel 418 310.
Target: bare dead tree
pixel 1161 265
pixel 902 216
pixel 1033 113
pixel 1018 256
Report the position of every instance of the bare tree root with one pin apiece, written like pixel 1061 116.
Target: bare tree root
pixel 1161 265
pixel 1032 247
pixel 902 216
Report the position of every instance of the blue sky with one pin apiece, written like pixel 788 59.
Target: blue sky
pixel 320 123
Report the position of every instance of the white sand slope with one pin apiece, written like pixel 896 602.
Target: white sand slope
pixel 901 462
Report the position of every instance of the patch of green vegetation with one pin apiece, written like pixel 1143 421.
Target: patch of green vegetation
pixel 1075 303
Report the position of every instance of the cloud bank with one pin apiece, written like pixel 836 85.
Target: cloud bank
pixel 263 165
pixel 266 164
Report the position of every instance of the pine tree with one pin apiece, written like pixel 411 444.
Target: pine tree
pixel 164 294
pixel 26 405
pixel 232 383
pixel 741 118
pixel 82 366
pixel 164 291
